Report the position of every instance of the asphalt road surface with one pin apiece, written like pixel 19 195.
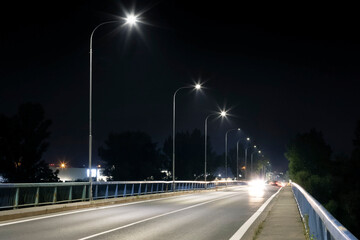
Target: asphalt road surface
pixel 205 215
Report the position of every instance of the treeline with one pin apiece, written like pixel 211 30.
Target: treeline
pixel 130 155
pixel 134 156
pixel 333 180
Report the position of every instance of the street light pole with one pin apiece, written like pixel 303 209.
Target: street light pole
pixel 237 160
pixel 197 87
pixel 226 175
pixel 222 114
pixel 237 157
pixel 131 20
pixel 246 149
pixel 251 167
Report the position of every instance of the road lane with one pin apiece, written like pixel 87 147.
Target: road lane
pixel 206 215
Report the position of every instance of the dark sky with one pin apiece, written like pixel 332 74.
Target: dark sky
pixel 278 78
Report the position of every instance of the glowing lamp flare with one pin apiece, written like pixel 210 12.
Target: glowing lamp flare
pixel 131 19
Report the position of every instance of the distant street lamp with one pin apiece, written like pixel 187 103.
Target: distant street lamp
pixel 196 87
pixel 226 149
pixel 246 150
pixel 251 167
pixel 129 20
pixel 237 156
pixel 222 114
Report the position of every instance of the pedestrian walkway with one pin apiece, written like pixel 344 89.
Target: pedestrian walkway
pixel 283 220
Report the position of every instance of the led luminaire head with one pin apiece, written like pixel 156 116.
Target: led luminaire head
pixel 131 19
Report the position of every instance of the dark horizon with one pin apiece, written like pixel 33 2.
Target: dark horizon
pixel 277 79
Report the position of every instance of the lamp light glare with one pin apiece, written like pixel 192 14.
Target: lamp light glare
pixel 223 113
pixel 248 139
pixel 197 86
pixel 131 19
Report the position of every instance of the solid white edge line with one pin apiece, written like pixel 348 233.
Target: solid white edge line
pixel 242 230
pixel 157 216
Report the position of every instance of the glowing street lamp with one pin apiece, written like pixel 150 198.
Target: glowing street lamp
pixel 130 20
pixel 226 149
pixel 196 87
pixel 251 166
pixel 222 114
pixel 237 156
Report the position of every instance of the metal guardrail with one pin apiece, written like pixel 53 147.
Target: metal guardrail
pixel 15 195
pixel 320 224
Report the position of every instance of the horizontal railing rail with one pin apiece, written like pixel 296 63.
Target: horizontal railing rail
pixel 319 223
pixel 16 195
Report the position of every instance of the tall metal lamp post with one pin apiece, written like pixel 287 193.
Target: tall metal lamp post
pixel 129 20
pixel 237 156
pixel 226 150
pixel 251 166
pixel 222 114
pixel 197 87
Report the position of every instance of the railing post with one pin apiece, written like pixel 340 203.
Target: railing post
pixel 145 188
pixel 124 194
pixel 16 200
pixel 152 187
pixel 139 191
pixel 70 193
pixel 96 190
pixel 37 196
pixel 84 193
pixel 55 193
pixel 132 190
pixel 107 191
pixel 116 190
pixel 157 187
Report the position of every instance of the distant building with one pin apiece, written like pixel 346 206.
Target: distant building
pixel 79 174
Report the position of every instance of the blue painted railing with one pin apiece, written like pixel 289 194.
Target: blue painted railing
pixel 15 195
pixel 319 223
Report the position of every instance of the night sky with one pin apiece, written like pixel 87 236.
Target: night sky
pixel 277 79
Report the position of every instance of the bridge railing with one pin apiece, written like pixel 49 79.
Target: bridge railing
pixel 319 223
pixel 15 195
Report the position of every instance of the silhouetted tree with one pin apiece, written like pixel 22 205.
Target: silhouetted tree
pixel 347 199
pixel 335 184
pixel 131 156
pixel 189 162
pixel 22 144
pixel 309 164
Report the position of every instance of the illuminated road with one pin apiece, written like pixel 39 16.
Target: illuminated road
pixel 206 215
